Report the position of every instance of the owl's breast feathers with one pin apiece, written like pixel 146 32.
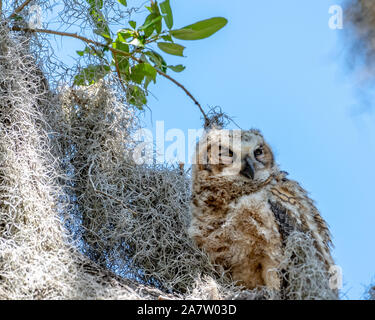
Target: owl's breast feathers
pixel 237 229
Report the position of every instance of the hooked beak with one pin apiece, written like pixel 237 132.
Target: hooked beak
pixel 248 168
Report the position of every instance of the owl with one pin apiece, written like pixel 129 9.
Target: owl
pixel 243 208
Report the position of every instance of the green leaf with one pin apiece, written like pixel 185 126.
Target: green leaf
pixel 136 96
pixel 123 2
pixel 120 45
pixel 200 30
pixel 155 7
pixel 152 22
pixel 137 77
pixel 142 70
pixel 147 27
pixel 167 38
pixel 172 48
pixel 123 64
pixel 89 50
pixel 106 36
pixel 133 24
pixel 95 3
pixel 166 9
pixel 122 60
pixel 124 34
pixel 150 71
pixel 177 68
pixel 91 74
pixel 157 59
pixel 102 28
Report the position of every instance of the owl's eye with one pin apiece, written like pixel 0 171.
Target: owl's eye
pixel 258 152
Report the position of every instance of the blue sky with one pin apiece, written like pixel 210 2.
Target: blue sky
pixel 278 67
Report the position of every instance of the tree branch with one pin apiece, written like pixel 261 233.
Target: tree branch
pixel 64 34
pixel 116 51
pixel 19 9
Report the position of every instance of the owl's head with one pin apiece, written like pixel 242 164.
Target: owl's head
pixel 235 152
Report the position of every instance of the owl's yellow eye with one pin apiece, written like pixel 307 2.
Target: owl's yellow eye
pixel 258 152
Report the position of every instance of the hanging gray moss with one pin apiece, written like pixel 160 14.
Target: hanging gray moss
pixel 38 260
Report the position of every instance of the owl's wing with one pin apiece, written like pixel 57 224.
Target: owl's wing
pixel 283 218
pixel 294 210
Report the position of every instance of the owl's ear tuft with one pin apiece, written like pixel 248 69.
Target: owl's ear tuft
pixel 256 131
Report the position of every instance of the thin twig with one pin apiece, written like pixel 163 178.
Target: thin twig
pixel 19 9
pixel 116 51
pixel 187 92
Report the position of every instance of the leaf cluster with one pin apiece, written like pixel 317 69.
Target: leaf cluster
pixel 130 53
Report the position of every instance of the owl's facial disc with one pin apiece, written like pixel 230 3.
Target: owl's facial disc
pixel 257 162
pixel 233 153
pixel 248 168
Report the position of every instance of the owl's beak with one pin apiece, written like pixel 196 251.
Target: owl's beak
pixel 248 168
